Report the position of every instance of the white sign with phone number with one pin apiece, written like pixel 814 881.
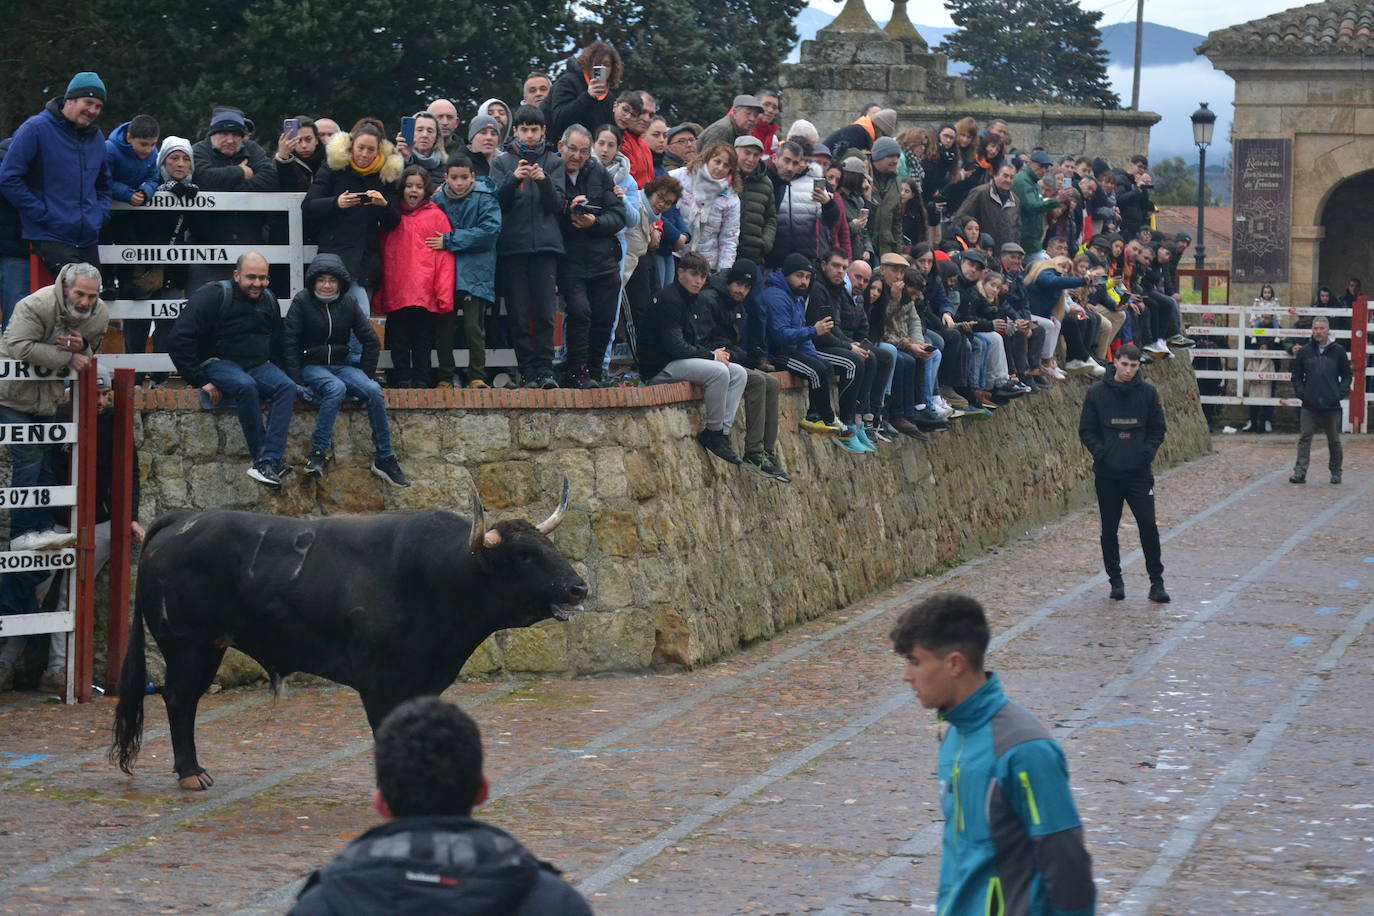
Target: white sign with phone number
pixel 39 497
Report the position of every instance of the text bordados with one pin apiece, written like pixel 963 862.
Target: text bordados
pixel 199 202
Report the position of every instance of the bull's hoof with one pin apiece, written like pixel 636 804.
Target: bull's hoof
pixel 197 783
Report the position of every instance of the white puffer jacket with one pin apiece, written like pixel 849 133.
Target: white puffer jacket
pixel 718 239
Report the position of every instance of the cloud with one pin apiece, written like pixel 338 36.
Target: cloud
pixel 1174 92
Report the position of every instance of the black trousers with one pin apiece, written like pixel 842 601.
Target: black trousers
pixel 849 375
pixel 819 377
pixel 529 282
pixel 410 338
pixel 954 356
pixel 590 304
pixel 1138 491
pixel 56 255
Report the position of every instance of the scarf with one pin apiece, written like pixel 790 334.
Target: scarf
pixel 372 169
pixel 619 168
pixel 431 162
pixel 326 299
pixel 448 192
pixel 705 189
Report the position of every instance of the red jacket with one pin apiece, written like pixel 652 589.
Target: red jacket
pixel 768 136
pixel 412 272
pixel 641 160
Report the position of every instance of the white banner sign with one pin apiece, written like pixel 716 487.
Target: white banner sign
pixel 13 370
pixel 42 497
pixel 31 560
pixel 37 433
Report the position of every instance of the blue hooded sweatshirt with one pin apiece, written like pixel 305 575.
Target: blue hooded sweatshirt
pixel 58 178
pixel 476 222
pixel 128 173
pixel 785 312
pixel 1013 842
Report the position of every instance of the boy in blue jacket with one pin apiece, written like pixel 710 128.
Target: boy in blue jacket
pixel 1013 842
pixel 131 150
pixel 473 211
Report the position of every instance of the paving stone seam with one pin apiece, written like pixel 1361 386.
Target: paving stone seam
pixel 1236 775
pixel 927 840
pixel 641 853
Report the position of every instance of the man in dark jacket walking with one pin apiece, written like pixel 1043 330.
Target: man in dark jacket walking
pixel 316 351
pixel 431 855
pixel 1321 377
pixel 56 175
pixel 1122 425
pixel 228 341
pixel 589 271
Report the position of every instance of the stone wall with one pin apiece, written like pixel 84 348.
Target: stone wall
pixel 687 558
pixel 1114 135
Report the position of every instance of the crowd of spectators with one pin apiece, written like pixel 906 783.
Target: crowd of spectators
pixel 911 276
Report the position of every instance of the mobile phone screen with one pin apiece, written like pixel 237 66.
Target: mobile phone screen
pixel 408 130
pixel 291 127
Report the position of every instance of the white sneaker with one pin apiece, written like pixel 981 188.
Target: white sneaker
pixel 1098 370
pixel 43 540
pixel 1077 367
pixel 1056 372
pixel 942 407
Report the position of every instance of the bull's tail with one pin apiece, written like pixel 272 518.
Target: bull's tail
pixel 133 679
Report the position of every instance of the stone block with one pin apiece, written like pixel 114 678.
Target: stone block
pixel 618 641
pixel 577 427
pixel 617 533
pixel 507 483
pixel 348 491
pixel 609 464
pixel 223 485
pixel 486 660
pixel 577 466
pixel 533 429
pixel 642 477
pixel 540 649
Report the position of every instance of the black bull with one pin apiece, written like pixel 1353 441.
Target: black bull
pixel 390 605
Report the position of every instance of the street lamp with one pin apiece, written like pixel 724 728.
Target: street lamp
pixel 1204 119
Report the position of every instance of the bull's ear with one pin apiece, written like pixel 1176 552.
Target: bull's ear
pixel 478 539
pixel 550 523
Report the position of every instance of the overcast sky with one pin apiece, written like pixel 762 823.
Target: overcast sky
pixel 1189 15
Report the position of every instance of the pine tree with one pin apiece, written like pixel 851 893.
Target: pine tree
pixel 696 55
pixel 1028 51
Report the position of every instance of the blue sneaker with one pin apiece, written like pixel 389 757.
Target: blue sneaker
pixel 862 435
pixel 851 444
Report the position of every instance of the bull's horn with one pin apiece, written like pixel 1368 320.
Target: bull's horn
pixel 552 521
pixel 481 537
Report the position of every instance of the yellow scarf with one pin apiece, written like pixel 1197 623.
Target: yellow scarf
pixel 372 169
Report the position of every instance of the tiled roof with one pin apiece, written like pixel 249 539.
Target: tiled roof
pixel 1340 27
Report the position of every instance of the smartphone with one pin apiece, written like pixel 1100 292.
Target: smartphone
pixel 600 72
pixel 408 131
pixel 819 184
pixel 863 211
pixel 1065 183
pixel 529 155
pixel 291 127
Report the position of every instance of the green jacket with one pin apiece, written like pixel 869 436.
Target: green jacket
pixel 886 229
pixel 39 319
pixel 1034 206
pixel 758 220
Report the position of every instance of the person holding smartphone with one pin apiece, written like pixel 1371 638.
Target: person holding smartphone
pixel 582 92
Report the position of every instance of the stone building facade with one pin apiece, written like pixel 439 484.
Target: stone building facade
pixel 1303 80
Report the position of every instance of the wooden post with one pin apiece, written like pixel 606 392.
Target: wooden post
pixel 1359 349
pixel 84 477
pixel 121 518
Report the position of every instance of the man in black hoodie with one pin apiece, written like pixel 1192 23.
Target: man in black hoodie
pixel 431 855
pixel 1321 377
pixel 1122 425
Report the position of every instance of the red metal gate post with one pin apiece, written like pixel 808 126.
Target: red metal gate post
pixel 1359 348
pixel 86 396
pixel 121 519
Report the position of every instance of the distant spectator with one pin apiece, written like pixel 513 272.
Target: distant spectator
pixel 446 113
pixel 429 778
pixel 805 206
pixel 828 298
pixel 228 341
pixel 628 113
pixel 297 170
pixel 758 228
pixel 669 351
pixel 418 281
pixel 737 122
pixel 14 252
pixel 606 147
pixel 427 152
pixel 638 270
pixel 994 206
pixel 316 353
pixel 57 175
pixel 131 153
pixel 768 125
pixel 853 321
pixel 474 216
pixel 886 223
pixel 804 133
pixel 582 92
pixel 589 270
pixel 528 179
pixel 656 139
pixel 682 145
pixel 536 89
pixel 710 204
pixel 226 160
pixel 484 143
pixel 1322 378
pixel 500 111
pixel 863 133
pixel 719 318
pixel 327 128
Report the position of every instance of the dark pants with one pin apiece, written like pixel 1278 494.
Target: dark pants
pixel 760 413
pixel 245 389
pixel 1139 493
pixel 409 339
pixel 954 356
pixel 1309 421
pixel 1019 348
pixel 819 378
pixel 530 285
pixel 56 255
pixel 905 384
pixel 880 367
pixel 850 376
pixel 639 292
pixel 590 303
pixel 1077 342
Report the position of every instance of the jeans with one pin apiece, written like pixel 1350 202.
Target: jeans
pixel 331 384
pixel 28 468
pixel 246 389
pixel 904 384
pixel 14 284
pixel 891 365
pixel 355 346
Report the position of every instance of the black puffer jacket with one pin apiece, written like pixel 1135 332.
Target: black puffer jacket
pixel 1322 378
pixel 215 171
pixel 1122 425
pixel 667 331
pixel 758 216
pixel 450 865
pixel 352 233
pixel 220 322
pixel 569 103
pixel 529 209
pixel 595 251
pixel 717 318
pixel 827 301
pixel 317 332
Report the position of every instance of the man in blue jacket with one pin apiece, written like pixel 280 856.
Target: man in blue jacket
pixel 56 175
pixel 1013 842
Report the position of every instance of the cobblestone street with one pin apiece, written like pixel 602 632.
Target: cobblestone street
pixel 1219 746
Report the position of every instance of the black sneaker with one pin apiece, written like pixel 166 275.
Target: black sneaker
pixel 1118 592
pixel 1298 478
pixel 390 471
pixel 1335 477
pixel 718 444
pixel 1158 594
pixel 773 468
pixel 315 463
pixel 265 472
pixel 283 468
pixel 548 382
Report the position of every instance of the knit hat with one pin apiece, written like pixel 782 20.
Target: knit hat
pixel 480 123
pixel 804 128
pixel 742 271
pixel 86 85
pixel 794 262
pixel 885 121
pixel 103 377
pixel 885 148
pixel 173 144
pixel 987 241
pixel 228 121
pixel 855 165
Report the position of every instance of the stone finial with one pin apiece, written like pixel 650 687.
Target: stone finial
pixel 900 27
pixel 852 19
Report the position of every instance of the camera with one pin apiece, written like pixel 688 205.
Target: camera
pixel 587 209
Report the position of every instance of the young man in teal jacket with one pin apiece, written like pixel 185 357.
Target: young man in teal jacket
pixel 1013 843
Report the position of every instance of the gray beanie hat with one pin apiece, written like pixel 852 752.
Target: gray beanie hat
pixel 884 147
pixel 480 123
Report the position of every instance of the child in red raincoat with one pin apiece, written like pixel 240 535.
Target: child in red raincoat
pixel 417 281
